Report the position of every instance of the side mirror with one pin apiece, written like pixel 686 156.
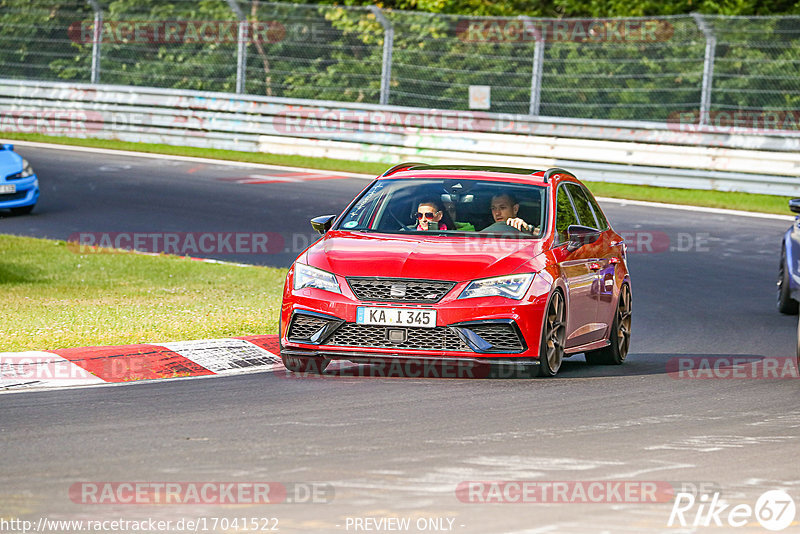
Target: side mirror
pixel 794 205
pixel 8 146
pixel 581 235
pixel 322 224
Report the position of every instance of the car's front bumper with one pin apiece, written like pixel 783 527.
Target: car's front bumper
pixel 26 194
pixel 317 323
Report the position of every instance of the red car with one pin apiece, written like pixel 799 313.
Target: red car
pixel 461 264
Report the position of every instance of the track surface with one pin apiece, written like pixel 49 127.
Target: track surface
pixel 399 447
pixel 98 193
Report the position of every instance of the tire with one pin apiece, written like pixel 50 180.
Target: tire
pixel 554 333
pixel 301 364
pixel 786 304
pixel 798 344
pixel 23 210
pixel 620 337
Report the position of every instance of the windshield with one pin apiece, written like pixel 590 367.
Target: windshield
pixel 448 206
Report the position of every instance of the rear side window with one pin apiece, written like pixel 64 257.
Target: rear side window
pixel 585 213
pixel 565 214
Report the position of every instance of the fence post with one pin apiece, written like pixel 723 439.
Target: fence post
pixel 708 68
pixel 537 67
pixel 241 50
pixel 97 37
pixel 388 45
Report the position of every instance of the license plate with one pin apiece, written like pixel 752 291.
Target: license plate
pixel 396 316
pixel 8 189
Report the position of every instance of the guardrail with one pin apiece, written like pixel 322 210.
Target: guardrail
pixel 670 155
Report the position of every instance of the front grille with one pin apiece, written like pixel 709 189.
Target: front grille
pixel 305 326
pixel 362 335
pixel 19 195
pixel 502 336
pixel 399 289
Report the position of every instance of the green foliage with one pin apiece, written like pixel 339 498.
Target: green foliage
pixel 333 52
pixel 589 8
pixel 34 42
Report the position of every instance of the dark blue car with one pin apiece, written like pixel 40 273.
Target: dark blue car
pixel 19 187
pixel 789 268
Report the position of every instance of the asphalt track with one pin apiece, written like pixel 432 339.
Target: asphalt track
pixel 399 447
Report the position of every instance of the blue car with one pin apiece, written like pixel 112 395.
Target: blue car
pixel 789 268
pixel 19 187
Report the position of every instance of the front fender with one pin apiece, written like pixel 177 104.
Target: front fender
pixel 792 249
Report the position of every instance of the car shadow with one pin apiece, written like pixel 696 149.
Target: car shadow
pixel 639 364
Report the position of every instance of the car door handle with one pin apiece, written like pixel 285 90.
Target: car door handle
pixel 594 266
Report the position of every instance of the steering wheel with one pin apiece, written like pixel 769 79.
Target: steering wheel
pixel 403 227
pixel 501 228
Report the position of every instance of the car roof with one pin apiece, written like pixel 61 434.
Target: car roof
pixel 498 174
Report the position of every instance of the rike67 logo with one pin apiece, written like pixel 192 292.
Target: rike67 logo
pixel 774 510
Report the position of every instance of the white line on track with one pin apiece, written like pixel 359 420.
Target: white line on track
pixel 191 159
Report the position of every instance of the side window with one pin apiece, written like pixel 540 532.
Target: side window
pixel 582 206
pixel 598 213
pixel 565 214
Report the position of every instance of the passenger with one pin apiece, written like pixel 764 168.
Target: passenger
pixel 504 208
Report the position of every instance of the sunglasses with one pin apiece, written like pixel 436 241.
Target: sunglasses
pixel 428 215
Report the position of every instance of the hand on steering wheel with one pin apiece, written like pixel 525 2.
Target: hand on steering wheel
pixel 519 224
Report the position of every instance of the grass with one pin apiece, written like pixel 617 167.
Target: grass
pixel 56 298
pixel 694 197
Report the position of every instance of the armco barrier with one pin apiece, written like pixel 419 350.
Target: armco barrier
pixel 623 152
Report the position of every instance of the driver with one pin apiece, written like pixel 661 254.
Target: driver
pixel 504 208
pixel 430 210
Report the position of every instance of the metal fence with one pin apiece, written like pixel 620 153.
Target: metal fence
pixel 693 69
pixel 612 151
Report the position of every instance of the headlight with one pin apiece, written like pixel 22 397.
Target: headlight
pixel 27 170
pixel 305 276
pixel 512 287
